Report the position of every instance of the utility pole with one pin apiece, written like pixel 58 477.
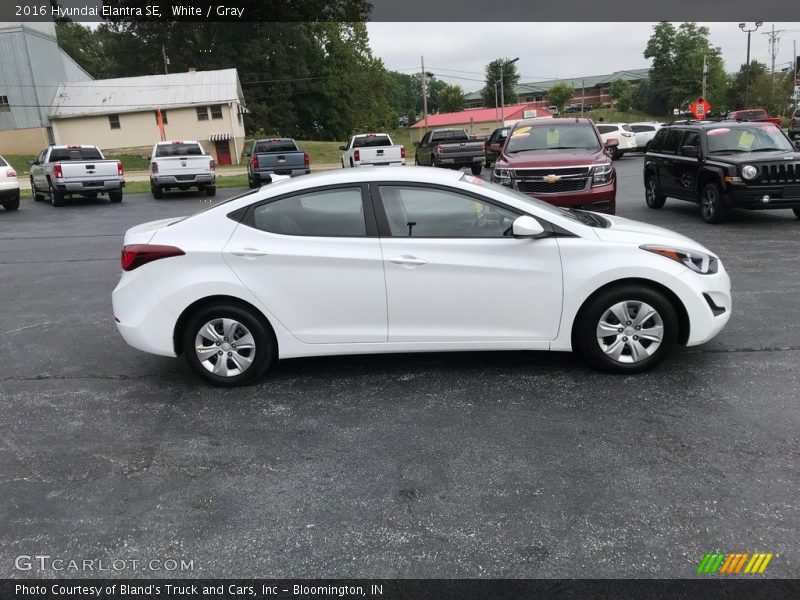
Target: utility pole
pixel 705 72
pixel 773 44
pixel 796 71
pixel 496 107
pixel 502 91
pixel 583 95
pixel 424 93
pixel 166 60
pixel 743 27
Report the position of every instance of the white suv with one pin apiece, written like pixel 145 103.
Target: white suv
pixel 9 186
pixel 645 132
pixel 622 133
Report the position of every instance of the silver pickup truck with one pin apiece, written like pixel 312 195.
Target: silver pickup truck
pixel 61 172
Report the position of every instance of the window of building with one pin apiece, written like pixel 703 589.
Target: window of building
pixel 330 213
pixel 538 98
pixel 528 98
pixel 163 116
pixel 202 113
pixel 216 111
pixel 4 105
pixel 113 121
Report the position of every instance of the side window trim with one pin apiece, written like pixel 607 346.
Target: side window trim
pixel 370 223
pixel 384 229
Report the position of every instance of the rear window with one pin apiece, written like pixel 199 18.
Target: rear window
pixel 372 141
pixel 3 163
pixel 642 128
pixel 61 154
pixel 178 149
pixel 450 136
pixel 606 128
pixel 274 146
pixel 626 128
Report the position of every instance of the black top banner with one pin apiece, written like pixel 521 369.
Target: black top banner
pixel 396 10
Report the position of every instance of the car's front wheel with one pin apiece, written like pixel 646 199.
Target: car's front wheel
pixel 796 212
pixel 652 193
pixel 228 345
pixel 477 168
pixel 712 206
pixel 626 329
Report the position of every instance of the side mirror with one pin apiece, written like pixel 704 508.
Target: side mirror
pixel 690 151
pixel 30 161
pixel 416 144
pixel 612 143
pixel 342 148
pixel 526 226
pixel 496 148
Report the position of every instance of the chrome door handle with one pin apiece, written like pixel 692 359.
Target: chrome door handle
pixel 408 261
pixel 249 252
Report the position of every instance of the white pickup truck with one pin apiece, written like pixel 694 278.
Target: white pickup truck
pixel 66 171
pixel 181 165
pixel 373 149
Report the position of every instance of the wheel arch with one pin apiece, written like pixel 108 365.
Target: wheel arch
pixel 709 176
pixel 183 319
pixel 684 324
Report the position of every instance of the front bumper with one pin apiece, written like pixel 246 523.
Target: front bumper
pixel 602 198
pixel 707 300
pixel 752 197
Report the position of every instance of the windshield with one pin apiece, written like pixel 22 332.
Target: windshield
pixel 753 138
pixel 578 216
pixel 528 138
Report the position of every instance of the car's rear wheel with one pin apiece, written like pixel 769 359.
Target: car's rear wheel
pixel 477 168
pixel 157 191
pixel 652 193
pixel 11 204
pixel 627 329
pixel 712 206
pixel 211 190
pixel 115 196
pixel 56 197
pixel 796 212
pixel 228 345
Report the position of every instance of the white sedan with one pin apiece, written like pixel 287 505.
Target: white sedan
pixel 410 260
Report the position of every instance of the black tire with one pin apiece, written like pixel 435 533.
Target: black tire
pixel 37 197
pixel 352 165
pixel 115 196
pixel 211 190
pixel 647 147
pixel 434 163
pixel 652 192
pixel 613 153
pixel 477 168
pixel 265 347
pixel 254 182
pixel 11 204
pixel 796 212
pixel 56 197
pixel 598 310
pixel 712 205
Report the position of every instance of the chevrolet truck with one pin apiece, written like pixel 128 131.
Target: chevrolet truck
pixel 62 172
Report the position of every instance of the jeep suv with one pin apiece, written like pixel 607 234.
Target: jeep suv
pixel 722 166
pixel 561 161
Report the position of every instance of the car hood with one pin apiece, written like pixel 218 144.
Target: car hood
pixel 552 158
pixel 633 232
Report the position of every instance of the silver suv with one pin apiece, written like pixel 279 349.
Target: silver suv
pixel 794 125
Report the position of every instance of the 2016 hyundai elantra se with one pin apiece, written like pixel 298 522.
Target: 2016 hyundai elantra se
pixel 410 260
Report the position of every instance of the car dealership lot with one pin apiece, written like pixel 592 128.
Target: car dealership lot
pixel 462 465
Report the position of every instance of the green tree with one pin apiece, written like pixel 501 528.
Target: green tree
pixel 772 92
pixel 622 92
pixel 560 94
pixel 676 74
pixel 735 95
pixel 451 98
pixel 510 80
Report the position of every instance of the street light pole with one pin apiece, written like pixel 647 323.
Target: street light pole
pixel 502 91
pixel 743 27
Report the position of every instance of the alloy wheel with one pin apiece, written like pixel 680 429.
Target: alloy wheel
pixel 630 331
pixel 709 203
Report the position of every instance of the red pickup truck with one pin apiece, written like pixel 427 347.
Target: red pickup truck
pixel 758 115
pixel 561 161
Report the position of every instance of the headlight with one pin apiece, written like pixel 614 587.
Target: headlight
pixel 749 172
pixel 502 176
pixel 601 174
pixel 699 262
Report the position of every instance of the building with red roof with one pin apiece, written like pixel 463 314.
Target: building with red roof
pixel 481 121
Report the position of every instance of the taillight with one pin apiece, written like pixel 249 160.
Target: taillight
pixel 11 173
pixel 119 168
pixel 154 168
pixel 402 151
pixel 212 165
pixel 59 174
pixel 357 155
pixel 306 160
pixel 136 255
pixel 439 149
pixel 254 162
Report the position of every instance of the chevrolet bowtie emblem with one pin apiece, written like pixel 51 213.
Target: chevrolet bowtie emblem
pixel 551 178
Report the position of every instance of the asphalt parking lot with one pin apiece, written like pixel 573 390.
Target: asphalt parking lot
pixel 451 465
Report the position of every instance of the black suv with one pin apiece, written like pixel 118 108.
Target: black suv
pixel 722 166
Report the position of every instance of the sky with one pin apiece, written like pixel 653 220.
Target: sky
pixel 458 52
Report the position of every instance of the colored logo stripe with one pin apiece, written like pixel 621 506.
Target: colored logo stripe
pixel 734 562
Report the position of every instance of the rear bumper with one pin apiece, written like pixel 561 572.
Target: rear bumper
pixel 204 178
pixel 379 163
pixel 81 187
pixel 9 193
pixel 263 174
pixel 465 161
pixel 141 318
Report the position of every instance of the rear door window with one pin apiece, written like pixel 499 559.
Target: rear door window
pixel 62 154
pixel 673 141
pixel 178 149
pixel 372 141
pixel 603 129
pixel 275 146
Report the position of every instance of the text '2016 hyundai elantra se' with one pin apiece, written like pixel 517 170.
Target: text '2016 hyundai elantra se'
pixel 410 260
